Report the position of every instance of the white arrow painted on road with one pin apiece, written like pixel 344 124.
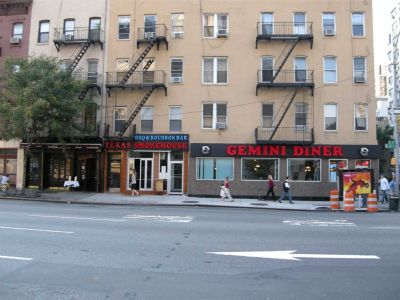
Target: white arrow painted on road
pixel 15 257
pixel 291 255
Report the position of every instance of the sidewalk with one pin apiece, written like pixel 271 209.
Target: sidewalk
pixel 179 200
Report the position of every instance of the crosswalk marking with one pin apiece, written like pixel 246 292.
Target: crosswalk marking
pixel 320 223
pixel 171 219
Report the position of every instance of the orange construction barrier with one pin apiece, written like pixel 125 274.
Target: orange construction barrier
pixel 348 203
pixel 334 197
pixel 372 203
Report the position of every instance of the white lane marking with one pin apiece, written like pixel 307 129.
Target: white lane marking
pixel 15 257
pixel 78 218
pixel 290 255
pixel 383 227
pixel 172 219
pixel 319 223
pixel 33 229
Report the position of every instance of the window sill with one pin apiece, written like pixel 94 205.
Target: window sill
pixel 221 84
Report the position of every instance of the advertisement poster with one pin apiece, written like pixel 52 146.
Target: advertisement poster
pixel 360 182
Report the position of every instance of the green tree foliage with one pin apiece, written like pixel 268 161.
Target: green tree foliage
pixel 384 134
pixel 39 99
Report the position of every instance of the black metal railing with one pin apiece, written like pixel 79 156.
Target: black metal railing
pixel 284 29
pixel 297 134
pixel 78 34
pixel 290 77
pixel 156 31
pixel 91 78
pixel 139 78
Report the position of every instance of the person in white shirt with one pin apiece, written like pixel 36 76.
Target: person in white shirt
pixel 286 191
pixel 384 187
pixel 4 182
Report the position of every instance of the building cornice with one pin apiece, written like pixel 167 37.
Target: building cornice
pixel 14 7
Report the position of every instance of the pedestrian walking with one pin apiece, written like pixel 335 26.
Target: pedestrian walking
pixel 225 192
pixel 384 188
pixel 286 191
pixel 392 186
pixel 132 184
pixel 271 185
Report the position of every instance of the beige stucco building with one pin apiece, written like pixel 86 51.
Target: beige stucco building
pixel 259 87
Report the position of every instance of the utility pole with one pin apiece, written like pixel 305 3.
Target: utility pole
pixel 395 55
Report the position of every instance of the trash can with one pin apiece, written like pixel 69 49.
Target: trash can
pixel 394 203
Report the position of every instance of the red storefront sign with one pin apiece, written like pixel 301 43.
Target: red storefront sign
pixel 128 145
pixel 283 151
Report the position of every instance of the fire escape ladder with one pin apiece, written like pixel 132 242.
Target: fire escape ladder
pixel 79 56
pixel 283 115
pixel 138 60
pixel 84 92
pixel 148 64
pixel 278 70
pixel 136 110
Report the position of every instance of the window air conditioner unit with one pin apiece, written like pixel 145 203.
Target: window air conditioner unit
pixel 149 35
pixel 359 79
pixel 69 37
pixel 222 33
pixel 329 32
pixel 176 79
pixel 177 35
pixel 221 125
pixel 15 40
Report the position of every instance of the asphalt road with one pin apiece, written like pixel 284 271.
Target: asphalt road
pixel 60 251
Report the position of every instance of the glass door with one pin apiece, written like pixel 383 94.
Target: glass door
pixel 145 173
pixel 150 22
pixel 94 29
pixel 267 20
pixel 176 182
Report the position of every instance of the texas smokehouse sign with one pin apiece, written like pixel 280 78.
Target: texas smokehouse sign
pixel 151 142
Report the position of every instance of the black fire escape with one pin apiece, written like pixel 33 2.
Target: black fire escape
pixel 275 76
pixel 147 79
pixel 83 37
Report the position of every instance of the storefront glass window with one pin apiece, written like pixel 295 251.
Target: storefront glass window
pixel 114 170
pixel 334 167
pixel 177 155
pixel 304 169
pixel 363 163
pixel 259 169
pixel 214 168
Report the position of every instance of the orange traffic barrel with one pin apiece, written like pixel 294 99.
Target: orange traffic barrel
pixel 372 203
pixel 348 202
pixel 334 198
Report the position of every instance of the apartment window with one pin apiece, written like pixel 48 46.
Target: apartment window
pixel 267 115
pixel 304 169
pixel 17 30
pixel 122 68
pixel 360 116
pixel 215 25
pixel 267 68
pixel 176 70
pixel 90 118
pixel 267 23
pixel 44 29
pixel 300 69
pixel 214 116
pixel 215 70
pixel 214 168
pixel 328 24
pixel 330 117
pixel 69 29
pixel 92 75
pixel 177 25
pixel 299 23
pixel 146 119
pixel 335 165
pixel 259 169
pixel 124 27
pixel 357 23
pixel 94 28
pixel 359 70
pixel 175 118
pixel 150 25
pixel 120 118
pixel 330 66
pixel 301 115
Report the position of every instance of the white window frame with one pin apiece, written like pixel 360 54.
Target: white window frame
pixel 175 117
pixel 176 59
pixel 122 119
pixel 173 25
pixel 365 69
pixel 336 117
pixel 142 110
pixel 296 28
pixel 215 70
pixel 15 26
pixel 363 23
pixel 262 116
pixel 330 70
pixel 259 158
pixel 130 23
pixel 308 181
pixel 214 115
pixel 305 69
pixel 262 66
pixel 44 23
pixel 303 104
pixel 215 29
pixel 334 22
pixel 262 22
pixel 329 167
pixel 366 117
pixel 233 168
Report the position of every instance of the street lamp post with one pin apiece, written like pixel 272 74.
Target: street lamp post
pixel 395 105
